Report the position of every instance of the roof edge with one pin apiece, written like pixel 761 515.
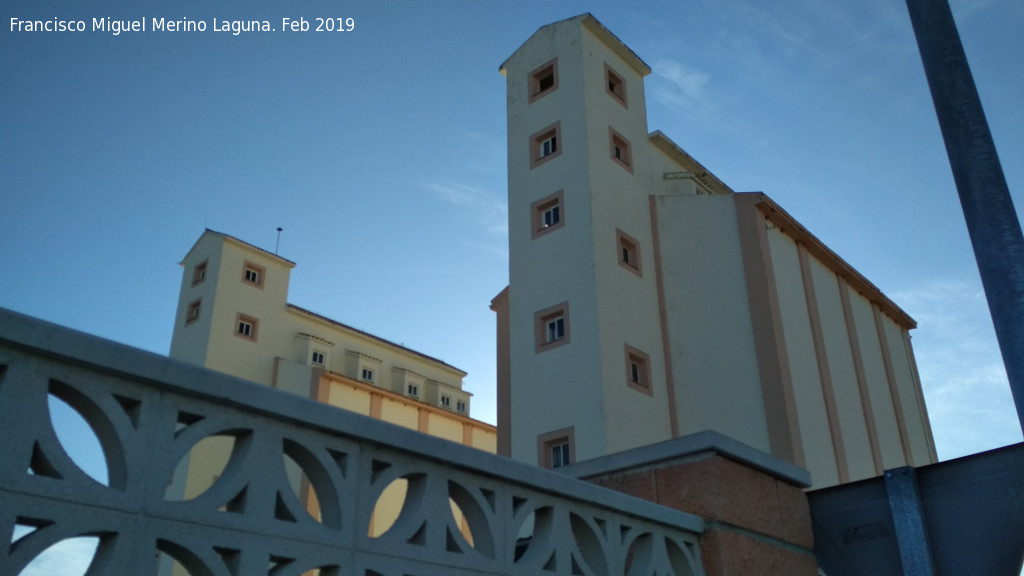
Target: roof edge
pixel 346 327
pixel 670 148
pixel 588 21
pixel 239 242
pixel 788 224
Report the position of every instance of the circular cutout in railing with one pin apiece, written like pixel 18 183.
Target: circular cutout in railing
pixel 68 557
pixel 201 467
pixel 388 507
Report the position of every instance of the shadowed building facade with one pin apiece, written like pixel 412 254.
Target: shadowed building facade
pixel 233 317
pixel 647 300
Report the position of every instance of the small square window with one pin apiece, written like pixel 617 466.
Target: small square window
pixel 193 312
pixel 460 406
pixel 543 80
pixel 552 327
pixel 638 372
pixel 556 449
pixel 551 216
pixel 620 150
pixel 253 274
pixel 545 145
pixel 246 327
pixel 629 252
pixel 413 390
pixel 367 375
pixel 560 455
pixel 547 214
pixel 548 146
pixel 199 272
pixel 319 359
pixel 446 401
pixel 615 85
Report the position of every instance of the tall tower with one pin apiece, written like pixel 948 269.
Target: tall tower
pixel 583 303
pixel 647 300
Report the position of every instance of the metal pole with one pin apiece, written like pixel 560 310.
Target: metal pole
pixel 991 219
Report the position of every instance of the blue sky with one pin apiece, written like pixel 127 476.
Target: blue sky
pixel 381 152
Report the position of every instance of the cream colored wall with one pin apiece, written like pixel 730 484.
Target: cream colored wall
pixel 442 427
pixel 388 507
pixel 283 332
pixel 232 354
pixel 815 433
pixel 661 164
pixel 627 304
pixel 400 413
pixel 390 357
pixel 207 460
pixel 190 342
pixel 882 409
pixel 844 383
pixel 717 377
pixel 853 415
pixel 295 378
pixel 485 439
pixel 349 398
pixel 914 412
pixel 557 266
pixel 846 423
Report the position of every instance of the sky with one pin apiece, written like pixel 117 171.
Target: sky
pixel 381 152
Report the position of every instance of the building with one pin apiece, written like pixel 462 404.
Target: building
pixel 233 317
pixel 647 300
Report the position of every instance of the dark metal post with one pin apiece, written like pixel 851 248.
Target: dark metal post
pixel 991 219
pixel 909 521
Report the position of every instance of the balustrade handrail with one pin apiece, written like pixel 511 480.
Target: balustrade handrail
pixel 148 411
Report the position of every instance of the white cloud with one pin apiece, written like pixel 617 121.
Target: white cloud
pixel 486 210
pixel 965 385
pixel 682 88
pixel 689 81
pixel 66 557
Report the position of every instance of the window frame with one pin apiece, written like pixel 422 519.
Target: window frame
pixel 548 441
pixel 642 361
pixel 445 401
pixel 542 318
pixel 260 271
pixel 537 140
pixel 254 323
pixel 193 311
pixel 363 371
pixel 533 84
pixel 461 406
pixel 612 77
pixel 412 390
pixel 540 207
pixel 625 156
pixel 625 243
pixel 199 272
pixel 322 358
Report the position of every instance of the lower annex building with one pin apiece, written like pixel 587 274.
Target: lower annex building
pixel 233 317
pixel 647 300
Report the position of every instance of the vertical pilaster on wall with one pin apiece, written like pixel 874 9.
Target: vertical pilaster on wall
pixel 769 341
pixel 988 208
pixel 908 519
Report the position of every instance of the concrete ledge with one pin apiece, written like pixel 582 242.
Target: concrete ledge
pixel 35 336
pixel 690 447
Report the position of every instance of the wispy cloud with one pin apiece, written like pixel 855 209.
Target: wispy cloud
pixel 682 88
pixel 488 210
pixel 965 384
pixel 70 556
pixel 689 81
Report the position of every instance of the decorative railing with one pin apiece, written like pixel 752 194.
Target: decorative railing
pixel 148 412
